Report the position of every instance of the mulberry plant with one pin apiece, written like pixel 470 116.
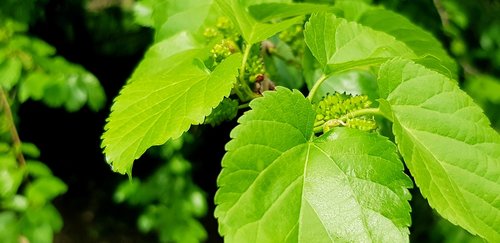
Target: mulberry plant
pixel 335 101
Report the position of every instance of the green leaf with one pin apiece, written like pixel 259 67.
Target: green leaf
pixel 271 11
pixel 40 224
pixel 447 143
pixel 143 12
pixel 172 16
pixel 44 190
pixel 96 98
pixel 37 169
pixel 352 82
pixel 159 52
pixel 30 150
pixel 9 226
pixel 10 180
pixel 248 3
pixel 162 104
pixel 252 30
pixel 10 72
pixel 225 111
pixel 16 203
pixel 33 86
pixel 279 183
pixel 429 50
pixel 483 89
pixel 344 45
pixel 60 83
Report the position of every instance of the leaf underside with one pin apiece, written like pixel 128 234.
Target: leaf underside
pixel 447 143
pixel 279 183
pixel 156 106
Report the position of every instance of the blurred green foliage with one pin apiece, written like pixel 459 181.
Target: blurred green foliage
pixel 171 202
pixel 26 192
pixel 30 69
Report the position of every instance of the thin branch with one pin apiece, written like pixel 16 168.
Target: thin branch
pixel 443 14
pixel 12 127
pixel 319 125
pixel 244 106
pixel 246 53
pixel 241 87
pixel 362 112
pixel 316 87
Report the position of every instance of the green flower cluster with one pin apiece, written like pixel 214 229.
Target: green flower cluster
pixel 226 46
pixel 226 110
pixel 363 124
pixel 223 49
pixel 255 69
pixel 337 110
pixel 223 28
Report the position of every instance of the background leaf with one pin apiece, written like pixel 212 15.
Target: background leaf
pixel 447 143
pixel 429 50
pixel 283 184
pixel 173 16
pixel 10 72
pixel 272 11
pixel 354 82
pixel 343 45
pixel 252 30
pixel 162 104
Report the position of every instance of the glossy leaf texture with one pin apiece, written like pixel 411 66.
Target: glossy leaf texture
pixel 447 143
pixel 163 103
pixel 340 45
pixel 251 29
pixel 280 183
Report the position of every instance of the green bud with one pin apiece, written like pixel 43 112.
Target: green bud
pixel 334 109
pixel 224 23
pixel 210 33
pixel 223 49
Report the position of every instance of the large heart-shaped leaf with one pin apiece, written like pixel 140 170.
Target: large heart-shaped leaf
pixel 280 183
pixel 447 143
pixel 162 104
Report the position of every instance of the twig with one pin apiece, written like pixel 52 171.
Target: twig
pixel 12 127
pixel 443 14
pixel 316 86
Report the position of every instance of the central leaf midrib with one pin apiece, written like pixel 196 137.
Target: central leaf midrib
pixel 257 177
pixel 363 219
